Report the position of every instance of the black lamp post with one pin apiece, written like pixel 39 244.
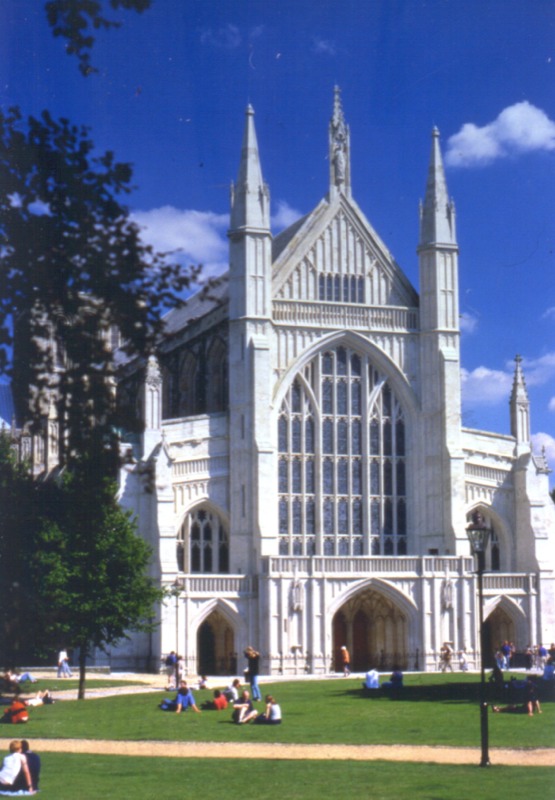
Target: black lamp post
pixel 177 587
pixel 478 535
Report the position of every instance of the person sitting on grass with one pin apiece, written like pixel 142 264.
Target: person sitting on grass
pixel 203 682
pixel 12 765
pixel 232 691
pixel 184 700
pixel 272 715
pixel 219 703
pixel 395 683
pixel 244 710
pixel 33 762
pixel 372 680
pixel 15 713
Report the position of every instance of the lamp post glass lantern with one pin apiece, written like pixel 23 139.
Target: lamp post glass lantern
pixel 478 535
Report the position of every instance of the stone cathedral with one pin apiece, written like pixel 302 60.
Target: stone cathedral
pixel 303 476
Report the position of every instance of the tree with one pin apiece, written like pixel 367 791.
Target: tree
pixel 75 20
pixel 73 269
pixel 17 503
pixel 91 568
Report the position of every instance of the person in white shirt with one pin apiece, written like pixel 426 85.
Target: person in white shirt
pixel 63 664
pixel 11 768
pixel 272 715
pixel 232 691
pixel 372 680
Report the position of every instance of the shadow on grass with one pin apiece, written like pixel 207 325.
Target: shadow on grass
pixel 513 692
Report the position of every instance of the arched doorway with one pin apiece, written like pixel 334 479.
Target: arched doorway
pixel 374 630
pixel 216 646
pixel 499 627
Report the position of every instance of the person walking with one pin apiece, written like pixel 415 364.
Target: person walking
pixel 345 661
pixel 64 670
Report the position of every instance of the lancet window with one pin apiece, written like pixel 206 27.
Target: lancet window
pixel 341 470
pixel 203 544
pixel 334 288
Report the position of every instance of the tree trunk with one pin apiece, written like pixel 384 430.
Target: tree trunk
pixel 82 671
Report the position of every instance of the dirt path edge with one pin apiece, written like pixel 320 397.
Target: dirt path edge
pixel 544 757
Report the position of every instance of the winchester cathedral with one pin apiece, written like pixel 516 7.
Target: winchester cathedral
pixel 303 476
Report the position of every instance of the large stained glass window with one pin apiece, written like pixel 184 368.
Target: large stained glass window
pixel 341 471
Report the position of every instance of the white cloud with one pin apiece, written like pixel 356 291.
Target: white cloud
pixel 199 236
pixel 551 404
pixel 538 371
pixel 519 128
pixel 228 37
pixel 284 216
pixel 549 313
pixel 468 322
pixel 544 442
pixel 324 46
pixel 485 387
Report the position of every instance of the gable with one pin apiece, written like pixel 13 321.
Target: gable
pixel 336 255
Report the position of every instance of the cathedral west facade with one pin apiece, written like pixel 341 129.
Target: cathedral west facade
pixel 304 478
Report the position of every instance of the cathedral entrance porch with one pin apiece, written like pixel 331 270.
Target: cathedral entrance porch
pixel 216 646
pixel 374 630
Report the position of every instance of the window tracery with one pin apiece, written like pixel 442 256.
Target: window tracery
pixel 341 470
pixel 203 544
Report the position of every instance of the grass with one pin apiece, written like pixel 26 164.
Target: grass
pixel 67 777
pixel 434 710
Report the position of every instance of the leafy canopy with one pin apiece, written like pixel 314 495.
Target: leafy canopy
pixel 75 21
pixel 91 565
pixel 73 270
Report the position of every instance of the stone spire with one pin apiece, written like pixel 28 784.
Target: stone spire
pixel 250 197
pixel 437 213
pixel 520 406
pixel 339 150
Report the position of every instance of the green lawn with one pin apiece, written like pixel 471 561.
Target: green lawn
pixel 434 709
pixel 67 777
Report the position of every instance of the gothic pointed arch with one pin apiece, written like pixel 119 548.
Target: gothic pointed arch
pixel 499 552
pixel 377 625
pixel 202 542
pixel 342 457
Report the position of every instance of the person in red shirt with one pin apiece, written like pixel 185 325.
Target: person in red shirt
pixel 218 703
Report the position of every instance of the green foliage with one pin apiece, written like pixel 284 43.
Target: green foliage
pixel 66 776
pixel 17 504
pixel 72 568
pixel 75 21
pixel 92 567
pixel 73 269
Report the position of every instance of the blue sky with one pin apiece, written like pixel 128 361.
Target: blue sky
pixel 170 95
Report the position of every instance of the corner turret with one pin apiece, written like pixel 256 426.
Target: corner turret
pixel 437 212
pixel 250 197
pixel 520 407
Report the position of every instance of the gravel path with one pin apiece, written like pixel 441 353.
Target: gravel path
pixel 315 752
